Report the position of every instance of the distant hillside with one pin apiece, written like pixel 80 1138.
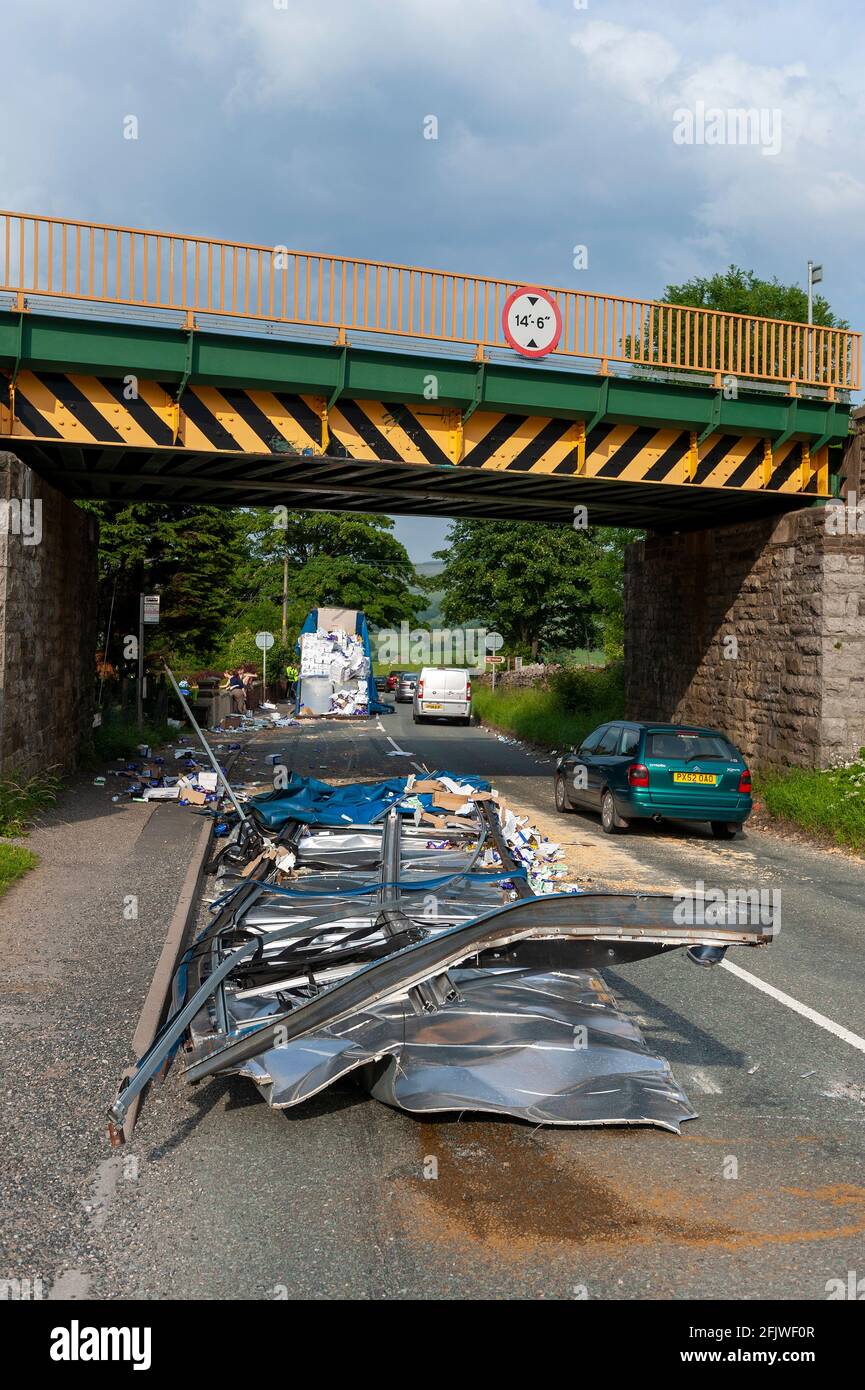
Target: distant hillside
pixel 432 614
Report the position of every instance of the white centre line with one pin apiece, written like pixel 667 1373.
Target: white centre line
pixel 804 1009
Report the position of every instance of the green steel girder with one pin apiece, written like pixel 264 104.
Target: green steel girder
pixel 96 347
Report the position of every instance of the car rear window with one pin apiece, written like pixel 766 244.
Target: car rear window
pixel 630 741
pixel 681 743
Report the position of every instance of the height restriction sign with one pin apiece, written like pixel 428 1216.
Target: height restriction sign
pixel 532 321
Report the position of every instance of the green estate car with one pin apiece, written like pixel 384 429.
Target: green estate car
pixel 629 771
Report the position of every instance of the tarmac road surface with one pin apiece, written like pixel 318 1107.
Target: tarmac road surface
pixel 761 1196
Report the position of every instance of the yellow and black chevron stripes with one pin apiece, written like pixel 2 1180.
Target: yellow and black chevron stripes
pixel 56 408
pixel 522 444
pixel 638 453
pixel 393 432
pixel 144 414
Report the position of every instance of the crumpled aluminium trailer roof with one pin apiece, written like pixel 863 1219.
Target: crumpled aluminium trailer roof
pixel 443 987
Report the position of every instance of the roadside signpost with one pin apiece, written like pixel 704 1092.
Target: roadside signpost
pixel 492 642
pixel 531 321
pixel 264 641
pixel 148 612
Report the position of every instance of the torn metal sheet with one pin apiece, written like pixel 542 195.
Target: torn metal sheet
pixel 546 1046
pixel 430 969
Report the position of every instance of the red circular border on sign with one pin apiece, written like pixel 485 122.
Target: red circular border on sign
pixel 548 299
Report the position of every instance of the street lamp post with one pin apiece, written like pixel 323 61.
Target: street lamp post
pixel 815 275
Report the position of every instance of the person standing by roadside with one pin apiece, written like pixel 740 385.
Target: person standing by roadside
pixel 249 677
pixel 236 691
pixel 291 676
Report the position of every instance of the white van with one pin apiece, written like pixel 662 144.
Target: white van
pixel 443 692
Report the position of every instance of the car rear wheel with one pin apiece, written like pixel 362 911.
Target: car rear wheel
pixel 562 803
pixel 723 831
pixel 610 821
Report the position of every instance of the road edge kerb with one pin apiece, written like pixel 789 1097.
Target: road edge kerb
pixel 156 999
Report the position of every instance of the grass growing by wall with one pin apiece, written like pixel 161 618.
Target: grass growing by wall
pixel 575 703
pixel 22 798
pixel 827 803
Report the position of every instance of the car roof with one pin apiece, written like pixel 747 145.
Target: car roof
pixel 682 728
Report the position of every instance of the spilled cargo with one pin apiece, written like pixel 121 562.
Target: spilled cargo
pixel 419 934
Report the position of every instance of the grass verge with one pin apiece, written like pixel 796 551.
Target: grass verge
pixel 827 803
pixel 14 861
pixel 549 717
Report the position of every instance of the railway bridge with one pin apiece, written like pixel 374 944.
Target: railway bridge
pixel 153 366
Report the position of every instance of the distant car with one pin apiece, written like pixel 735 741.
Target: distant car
pixel 381 684
pixel 443 692
pixel 392 680
pixel 405 687
pixel 629 771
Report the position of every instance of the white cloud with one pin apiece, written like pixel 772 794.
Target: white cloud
pixel 636 62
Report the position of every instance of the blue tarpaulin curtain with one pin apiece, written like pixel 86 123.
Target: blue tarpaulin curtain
pixel 360 803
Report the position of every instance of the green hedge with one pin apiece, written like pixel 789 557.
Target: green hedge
pixel 578 691
pixel 558 717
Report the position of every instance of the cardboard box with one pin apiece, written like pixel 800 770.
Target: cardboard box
pixel 449 801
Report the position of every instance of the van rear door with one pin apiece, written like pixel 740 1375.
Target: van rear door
pixel 444 691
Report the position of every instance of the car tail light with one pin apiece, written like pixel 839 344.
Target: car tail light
pixel 745 783
pixel 420 690
pixel 638 775
pixel 468 690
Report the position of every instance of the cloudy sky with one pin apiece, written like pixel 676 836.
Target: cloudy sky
pixel 301 123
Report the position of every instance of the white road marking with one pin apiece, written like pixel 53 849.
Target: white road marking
pixel 397 750
pixel 804 1009
pixel 705 1083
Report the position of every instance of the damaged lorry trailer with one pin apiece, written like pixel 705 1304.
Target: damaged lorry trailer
pixel 360 930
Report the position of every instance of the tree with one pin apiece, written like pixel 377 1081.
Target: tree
pixel 189 555
pixel 604 574
pixel 346 559
pixel 737 291
pixel 526 580
pixel 733 345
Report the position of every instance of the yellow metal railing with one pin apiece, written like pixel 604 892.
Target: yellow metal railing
pixel 91 261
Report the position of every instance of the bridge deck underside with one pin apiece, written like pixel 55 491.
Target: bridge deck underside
pixel 340 484
pixel 137 438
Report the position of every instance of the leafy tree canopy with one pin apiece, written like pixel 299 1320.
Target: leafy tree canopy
pixel 737 291
pixel 524 579
pixel 188 554
pixel 346 559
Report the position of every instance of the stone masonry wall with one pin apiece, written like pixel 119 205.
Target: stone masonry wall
pixel 792 595
pixel 47 627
